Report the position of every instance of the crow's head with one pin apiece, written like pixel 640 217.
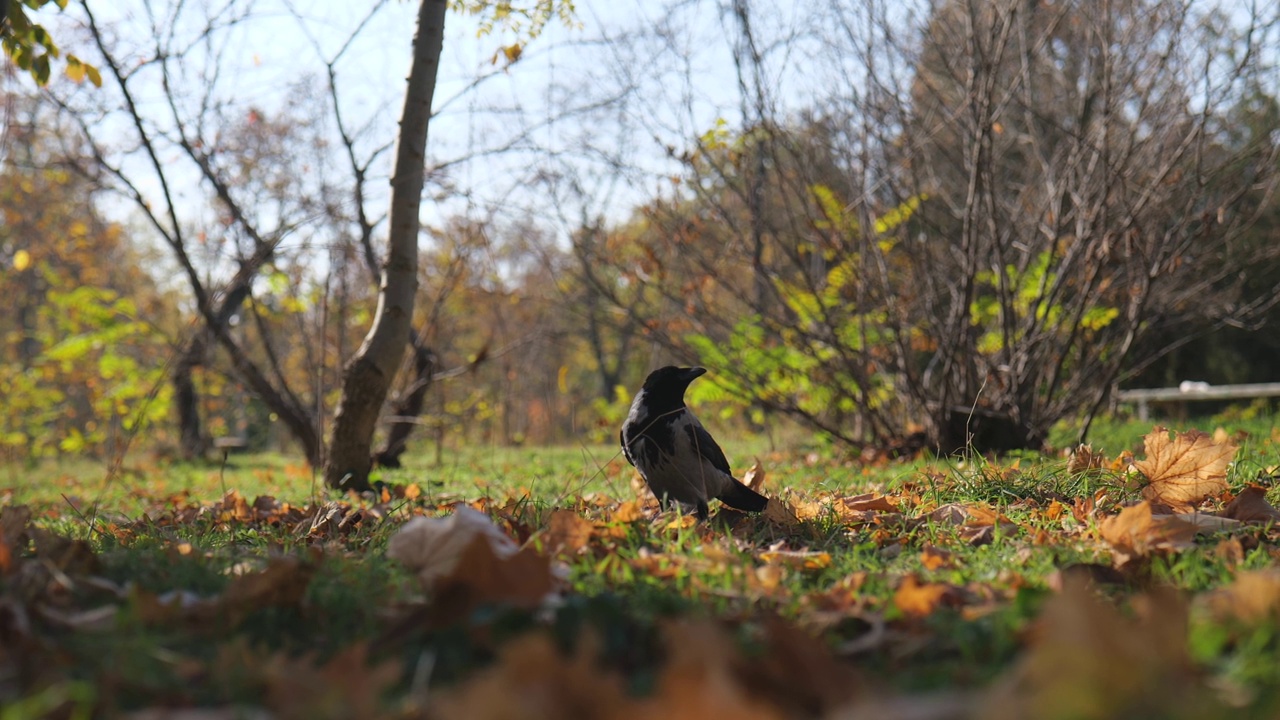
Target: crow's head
pixel 665 386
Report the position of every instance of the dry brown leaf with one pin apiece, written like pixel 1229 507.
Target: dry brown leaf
pixel 1251 506
pixel 1083 458
pixel 916 599
pixel 779 513
pixel 568 533
pixel 797 671
pixel 870 502
pixel 627 512
pixel 345 686
pixel 1137 532
pixel 1186 470
pixel 951 513
pixel 482 576
pixel 1088 660
pixel 68 555
pixel 283 583
pixel 532 680
pixel 1230 551
pixel 754 478
pixel 698 681
pixel 14 520
pixel 1253 597
pixel 934 558
pixel 432 547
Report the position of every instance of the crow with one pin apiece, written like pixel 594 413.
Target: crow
pixel 675 455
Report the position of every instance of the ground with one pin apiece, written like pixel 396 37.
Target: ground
pixel 1029 586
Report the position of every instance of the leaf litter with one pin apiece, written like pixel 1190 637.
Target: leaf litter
pixel 780 580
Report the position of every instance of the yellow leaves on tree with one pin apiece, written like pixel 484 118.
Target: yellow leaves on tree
pixel 1184 471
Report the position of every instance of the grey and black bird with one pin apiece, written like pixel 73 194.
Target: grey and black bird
pixel 676 456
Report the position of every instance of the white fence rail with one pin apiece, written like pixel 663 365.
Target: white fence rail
pixel 1188 391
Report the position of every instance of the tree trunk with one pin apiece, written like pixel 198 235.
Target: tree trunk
pixel 192 442
pixel 369 374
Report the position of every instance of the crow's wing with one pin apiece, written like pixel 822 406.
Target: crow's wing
pixel 622 439
pixel 706 446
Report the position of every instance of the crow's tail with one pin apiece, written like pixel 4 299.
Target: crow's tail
pixel 743 498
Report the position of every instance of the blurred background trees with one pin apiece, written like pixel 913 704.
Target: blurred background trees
pixel 932 225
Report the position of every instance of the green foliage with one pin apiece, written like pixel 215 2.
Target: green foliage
pixel 93 381
pixel 30 46
pixel 1026 290
pixel 822 359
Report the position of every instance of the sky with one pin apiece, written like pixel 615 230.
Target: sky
pixel 556 113
pixel 581 125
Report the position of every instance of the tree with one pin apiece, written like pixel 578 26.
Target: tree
pixel 978 219
pixel 369 373
pixel 31 47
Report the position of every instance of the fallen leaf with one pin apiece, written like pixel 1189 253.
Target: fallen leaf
pixel 67 555
pixel 482 577
pixel 282 583
pixel 347 685
pixel 934 558
pixel 870 503
pixel 568 533
pixel 1230 551
pixel 532 680
pixel 797 559
pixel 1136 532
pixel 1251 506
pixel 698 681
pixel 1252 597
pixel 1186 470
pixel 778 512
pixel 14 520
pixel 1088 660
pixel 951 514
pixel 916 599
pixel 754 478
pixel 431 547
pixel 627 512
pixel 1083 459
pixel 797 671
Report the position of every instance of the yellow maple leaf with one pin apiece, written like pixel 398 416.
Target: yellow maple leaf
pixel 1185 470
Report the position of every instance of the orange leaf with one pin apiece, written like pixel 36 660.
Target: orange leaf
pixel 934 558
pixel 754 478
pixel 916 599
pixel 1136 532
pixel 627 512
pixel 1186 470
pixel 870 503
pixel 567 533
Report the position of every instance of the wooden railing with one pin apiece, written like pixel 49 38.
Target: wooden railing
pixel 1188 391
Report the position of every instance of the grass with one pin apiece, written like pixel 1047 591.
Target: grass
pixel 842 582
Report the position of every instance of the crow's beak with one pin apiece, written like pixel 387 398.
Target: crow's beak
pixel 693 373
